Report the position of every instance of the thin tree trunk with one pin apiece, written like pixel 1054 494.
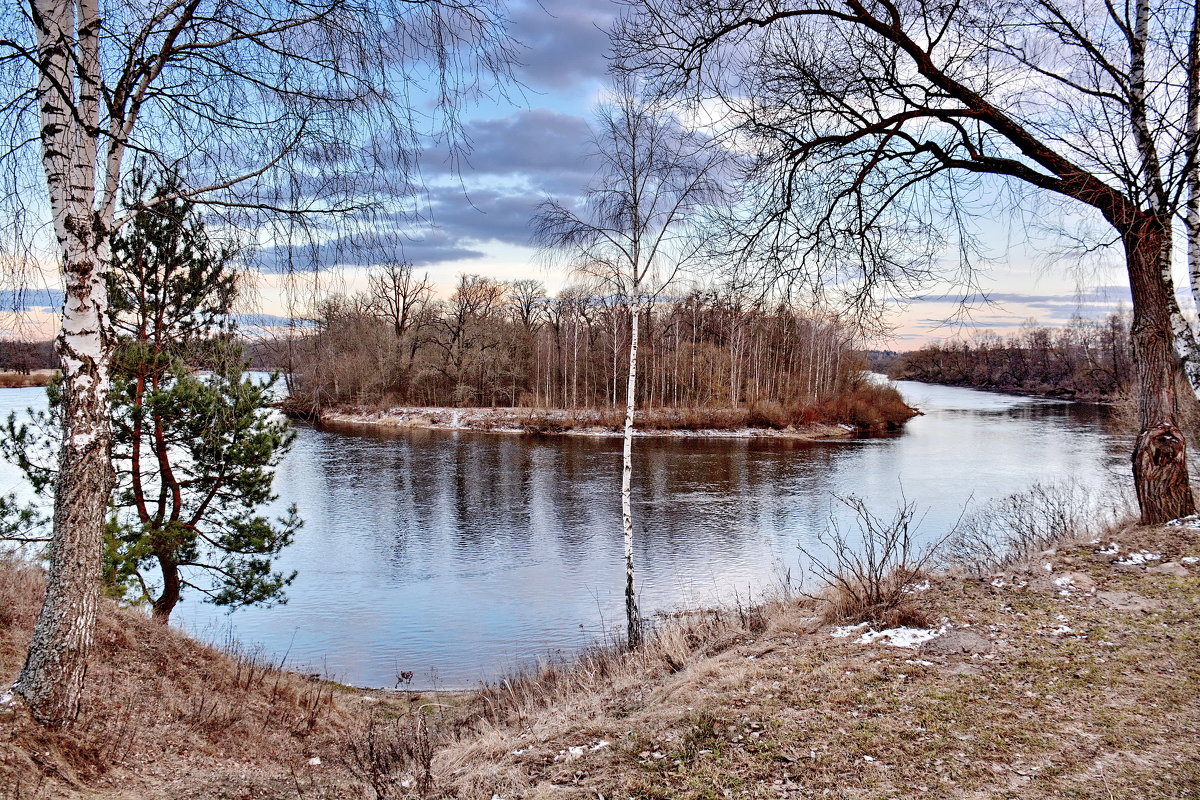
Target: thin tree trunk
pixel 631 608
pixel 166 601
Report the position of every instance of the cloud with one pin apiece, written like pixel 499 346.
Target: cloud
pixel 1108 296
pixel 366 249
pixel 565 41
pixel 541 149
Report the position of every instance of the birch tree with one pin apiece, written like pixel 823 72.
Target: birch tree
pixel 267 109
pixel 637 229
pixel 866 122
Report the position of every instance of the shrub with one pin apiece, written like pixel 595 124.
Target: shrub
pixel 1017 526
pixel 868 574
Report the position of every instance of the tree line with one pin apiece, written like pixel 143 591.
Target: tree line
pixel 1085 360
pixel 493 343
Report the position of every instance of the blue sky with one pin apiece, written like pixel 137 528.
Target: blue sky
pixel 536 145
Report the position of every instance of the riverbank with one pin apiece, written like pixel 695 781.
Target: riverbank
pixel 1044 392
pixel 576 422
pixel 870 409
pixel 1072 674
pixel 22 380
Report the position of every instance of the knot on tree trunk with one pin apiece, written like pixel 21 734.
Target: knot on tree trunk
pixel 1158 459
pixel 1163 444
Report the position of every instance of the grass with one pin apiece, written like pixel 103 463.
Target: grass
pixel 867 408
pixel 717 705
pixel 21 380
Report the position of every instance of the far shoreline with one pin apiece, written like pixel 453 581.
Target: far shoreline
pixel 674 423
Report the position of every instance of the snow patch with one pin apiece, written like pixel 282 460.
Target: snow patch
pixel 913 588
pixel 847 631
pixel 572 753
pixel 1139 558
pixel 900 637
pixel 1190 559
pixel 1192 521
pixel 1112 549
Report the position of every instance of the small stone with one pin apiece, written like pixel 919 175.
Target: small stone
pixel 957 642
pixel 314 762
pixel 1127 601
pixel 1170 568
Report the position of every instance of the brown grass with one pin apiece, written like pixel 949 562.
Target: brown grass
pixel 1080 692
pixel 159 705
pixel 19 380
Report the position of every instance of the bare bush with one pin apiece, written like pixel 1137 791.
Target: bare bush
pixel 870 569
pixel 1017 526
pixel 394 757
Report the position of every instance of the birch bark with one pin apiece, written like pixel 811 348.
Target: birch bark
pixel 51 681
pixel 632 615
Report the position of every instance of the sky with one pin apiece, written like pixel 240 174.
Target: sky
pixel 536 145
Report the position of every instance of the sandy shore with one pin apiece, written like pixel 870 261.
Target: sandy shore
pixel 579 422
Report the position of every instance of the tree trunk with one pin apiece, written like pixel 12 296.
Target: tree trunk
pixel 1160 471
pixel 166 601
pixel 51 681
pixel 631 609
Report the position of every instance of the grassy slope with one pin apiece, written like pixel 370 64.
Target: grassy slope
pixel 754 705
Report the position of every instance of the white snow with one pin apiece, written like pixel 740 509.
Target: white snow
pixel 1185 522
pixel 920 662
pixel 847 630
pixel 1139 558
pixel 900 637
pixel 577 751
pixel 1112 549
pixel 913 588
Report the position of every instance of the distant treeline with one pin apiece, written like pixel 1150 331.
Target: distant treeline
pixel 493 343
pixel 1086 360
pixel 24 357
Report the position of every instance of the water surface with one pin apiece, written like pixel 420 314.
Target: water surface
pixel 459 556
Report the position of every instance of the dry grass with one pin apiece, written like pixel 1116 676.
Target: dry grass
pixel 1081 683
pixel 870 408
pixel 867 574
pixel 159 706
pixel 21 380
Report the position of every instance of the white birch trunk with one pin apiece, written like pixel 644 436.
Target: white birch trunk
pixel 631 608
pixel 1192 217
pixel 51 681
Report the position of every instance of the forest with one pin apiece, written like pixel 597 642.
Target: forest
pixel 511 344
pixel 1084 360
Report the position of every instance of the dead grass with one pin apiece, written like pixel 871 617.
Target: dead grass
pixel 1073 682
pixel 158 706
pixel 868 408
pixel 21 380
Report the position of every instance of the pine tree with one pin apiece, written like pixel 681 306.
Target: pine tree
pixel 195 442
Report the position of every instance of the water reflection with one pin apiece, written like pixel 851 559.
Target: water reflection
pixel 458 556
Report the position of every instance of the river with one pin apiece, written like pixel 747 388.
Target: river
pixel 462 556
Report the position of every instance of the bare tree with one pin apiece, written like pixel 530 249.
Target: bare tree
pixel 264 107
pixel 636 231
pixel 867 123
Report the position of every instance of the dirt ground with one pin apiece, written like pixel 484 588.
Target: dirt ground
pixel 1074 675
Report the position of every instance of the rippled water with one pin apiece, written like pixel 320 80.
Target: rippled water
pixel 459 556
